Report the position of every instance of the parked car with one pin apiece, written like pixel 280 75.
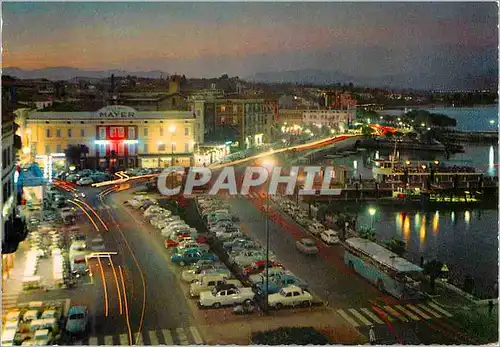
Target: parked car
pixel 209 281
pixel 84 181
pixel 191 256
pixel 307 246
pixel 77 320
pixel 280 281
pixel 330 237
pixel 290 296
pixel 190 275
pixel 222 296
pixel 247 257
pixel 259 266
pixel 273 272
pixel 97 244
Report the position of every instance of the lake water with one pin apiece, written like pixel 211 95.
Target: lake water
pixel 468 118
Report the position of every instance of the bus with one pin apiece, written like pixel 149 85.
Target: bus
pixel 389 272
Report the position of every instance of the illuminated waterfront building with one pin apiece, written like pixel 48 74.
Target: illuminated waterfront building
pixel 116 136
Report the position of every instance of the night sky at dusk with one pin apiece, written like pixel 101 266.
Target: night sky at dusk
pixel 208 39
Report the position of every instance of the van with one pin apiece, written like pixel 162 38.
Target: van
pixel 210 281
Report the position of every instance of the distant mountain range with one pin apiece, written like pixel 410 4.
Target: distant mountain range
pixel 423 81
pixel 68 73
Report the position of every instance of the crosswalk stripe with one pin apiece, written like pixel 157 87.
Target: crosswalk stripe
pixel 347 318
pixel 167 336
pixel 395 314
pixel 372 315
pixel 183 339
pixel 93 341
pixel 196 335
pixel 108 340
pixel 429 310
pixel 422 314
pixel 360 317
pixel 440 309
pixel 124 340
pixel 138 339
pixel 406 312
pixel 153 338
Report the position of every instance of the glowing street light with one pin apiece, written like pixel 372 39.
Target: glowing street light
pixel 492 121
pixel 372 212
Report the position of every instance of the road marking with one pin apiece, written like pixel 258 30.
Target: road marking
pixel 108 340
pixel 138 339
pixel 93 341
pixel 360 316
pixel 347 318
pixel 167 336
pixel 411 307
pixel 371 315
pixel 440 309
pixel 434 313
pixel 153 339
pixel 196 335
pixel 183 339
pixel 395 314
pixel 406 312
pixel 124 340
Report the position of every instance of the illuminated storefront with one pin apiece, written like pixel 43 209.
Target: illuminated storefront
pixel 116 136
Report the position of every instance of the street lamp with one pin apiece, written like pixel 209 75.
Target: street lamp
pixel 372 212
pixel 268 164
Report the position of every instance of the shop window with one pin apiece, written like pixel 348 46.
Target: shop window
pixel 112 132
pixel 131 149
pixel 121 132
pixel 102 133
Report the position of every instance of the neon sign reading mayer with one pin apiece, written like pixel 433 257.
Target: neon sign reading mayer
pixel 117 112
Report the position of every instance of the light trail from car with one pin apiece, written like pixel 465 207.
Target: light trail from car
pixel 117 285
pixel 86 213
pixel 129 329
pixel 94 212
pixel 105 286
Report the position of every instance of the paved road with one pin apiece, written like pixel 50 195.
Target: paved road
pixel 155 303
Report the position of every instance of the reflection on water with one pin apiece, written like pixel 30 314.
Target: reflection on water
pixel 422 232
pixel 417 220
pixel 467 218
pixel 435 222
pixel 452 216
pixel 491 162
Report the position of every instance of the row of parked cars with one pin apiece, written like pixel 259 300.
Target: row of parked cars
pixel 247 259
pixel 314 227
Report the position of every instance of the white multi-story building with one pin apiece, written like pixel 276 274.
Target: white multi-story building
pixel 331 118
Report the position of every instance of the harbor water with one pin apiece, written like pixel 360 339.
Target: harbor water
pixel 468 118
pixel 465 240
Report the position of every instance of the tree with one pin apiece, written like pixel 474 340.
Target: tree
pixel 367 233
pixel 396 246
pixel 73 154
pixel 433 270
pixel 84 150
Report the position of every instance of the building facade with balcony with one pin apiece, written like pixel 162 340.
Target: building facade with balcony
pixel 116 137
pixel 332 118
pixel 246 122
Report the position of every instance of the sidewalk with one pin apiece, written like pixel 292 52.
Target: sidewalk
pixel 327 321
pixel 13 285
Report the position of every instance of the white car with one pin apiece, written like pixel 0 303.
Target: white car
pixel 247 257
pixel 316 228
pixel 290 296
pixel 220 296
pixel 97 244
pixel 84 181
pixel 273 272
pixel 330 237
